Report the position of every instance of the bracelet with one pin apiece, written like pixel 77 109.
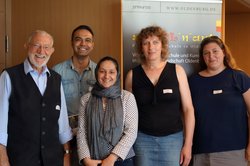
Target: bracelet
pixel 67 151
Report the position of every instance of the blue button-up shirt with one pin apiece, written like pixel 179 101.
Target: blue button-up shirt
pixel 75 85
pixel 65 133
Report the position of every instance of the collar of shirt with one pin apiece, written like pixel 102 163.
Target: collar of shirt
pixel 28 68
pixel 90 65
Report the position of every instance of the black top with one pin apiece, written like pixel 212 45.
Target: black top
pixel 159 106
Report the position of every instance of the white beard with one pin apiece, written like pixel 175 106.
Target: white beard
pixel 33 62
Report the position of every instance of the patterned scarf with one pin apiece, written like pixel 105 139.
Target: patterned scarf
pixel 104 128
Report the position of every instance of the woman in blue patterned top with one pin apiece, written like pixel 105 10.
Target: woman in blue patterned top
pixel 221 98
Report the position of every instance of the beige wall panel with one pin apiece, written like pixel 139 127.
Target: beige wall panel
pixel 2 5
pixel 2 35
pixel 238 39
pixel 60 17
pixel 2 41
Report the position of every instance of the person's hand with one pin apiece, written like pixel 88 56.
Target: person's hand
pixel 74 131
pixel 66 159
pixel 90 162
pixel 185 156
pixel 110 160
pixel 247 153
pixel 4 160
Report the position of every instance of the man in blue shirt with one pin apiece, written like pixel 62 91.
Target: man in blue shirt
pixel 33 114
pixel 78 76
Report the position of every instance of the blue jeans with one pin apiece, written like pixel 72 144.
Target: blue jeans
pixel 158 151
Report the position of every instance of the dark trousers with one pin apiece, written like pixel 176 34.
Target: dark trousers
pixel 127 162
pixel 74 156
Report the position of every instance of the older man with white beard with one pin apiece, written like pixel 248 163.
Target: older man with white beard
pixel 34 127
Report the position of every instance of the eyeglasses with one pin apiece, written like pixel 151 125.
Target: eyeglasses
pixel 39 46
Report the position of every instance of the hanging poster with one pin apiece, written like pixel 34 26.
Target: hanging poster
pixel 187 22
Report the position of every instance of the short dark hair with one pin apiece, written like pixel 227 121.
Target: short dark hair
pixel 83 27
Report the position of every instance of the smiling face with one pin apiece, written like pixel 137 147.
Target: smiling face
pixel 40 48
pixel 82 43
pixel 107 74
pixel 213 56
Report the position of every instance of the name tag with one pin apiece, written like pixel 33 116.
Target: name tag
pixel 167 91
pixel 217 91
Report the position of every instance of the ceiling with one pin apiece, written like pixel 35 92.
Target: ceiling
pixel 237 6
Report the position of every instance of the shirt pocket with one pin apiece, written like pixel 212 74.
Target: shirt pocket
pixel 70 87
